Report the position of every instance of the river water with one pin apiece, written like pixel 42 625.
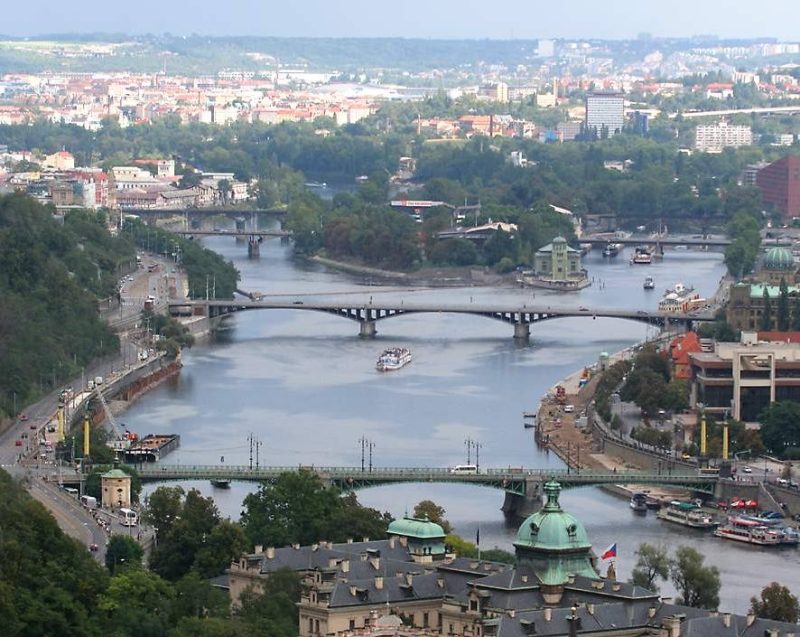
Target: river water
pixel 305 385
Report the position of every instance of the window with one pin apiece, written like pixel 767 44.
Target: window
pixel 473 604
pixel 310 626
pixel 424 620
pixel 352 624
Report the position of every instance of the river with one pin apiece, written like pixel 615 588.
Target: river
pixel 305 385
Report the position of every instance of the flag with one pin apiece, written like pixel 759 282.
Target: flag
pixel 478 537
pixel 610 552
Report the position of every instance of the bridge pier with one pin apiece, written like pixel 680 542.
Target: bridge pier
pixel 367 329
pixel 253 247
pixel 522 332
pixel 518 507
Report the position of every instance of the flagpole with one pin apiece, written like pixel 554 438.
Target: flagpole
pixel 478 541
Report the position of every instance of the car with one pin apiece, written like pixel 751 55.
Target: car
pixel 33 426
pixel 18 443
pixel 747 470
pixel 23 417
pixel 93 547
pixel 568 409
pixel 583 309
pixel 685 456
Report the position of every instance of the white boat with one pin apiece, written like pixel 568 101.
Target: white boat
pixel 749 532
pixel 686 514
pixel 611 249
pixel 649 284
pixel 639 502
pixel 642 255
pixel 393 358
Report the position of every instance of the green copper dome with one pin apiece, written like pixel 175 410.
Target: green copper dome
pixel 552 529
pixel 778 259
pixel 416 528
pixel 554 543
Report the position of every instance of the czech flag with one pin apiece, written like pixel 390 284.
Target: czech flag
pixel 610 552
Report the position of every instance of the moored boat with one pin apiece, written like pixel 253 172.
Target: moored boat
pixel 686 514
pixel 393 358
pixel 748 531
pixel 639 502
pixel 642 255
pixel 221 484
pixel 611 249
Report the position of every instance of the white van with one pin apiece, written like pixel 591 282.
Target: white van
pixel 464 469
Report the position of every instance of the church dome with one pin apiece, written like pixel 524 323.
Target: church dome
pixel 552 529
pixel 778 259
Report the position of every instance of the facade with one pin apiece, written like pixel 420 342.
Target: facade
pixel 382 588
pixel 779 183
pixel 557 261
pixel 605 111
pixel 746 304
pixel 743 378
pixel 116 489
pixel 713 138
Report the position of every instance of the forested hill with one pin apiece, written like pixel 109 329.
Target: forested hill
pixel 51 277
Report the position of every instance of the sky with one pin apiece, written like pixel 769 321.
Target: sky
pixel 473 19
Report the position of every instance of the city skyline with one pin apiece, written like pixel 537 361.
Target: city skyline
pixel 447 19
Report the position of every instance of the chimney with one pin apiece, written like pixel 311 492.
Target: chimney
pixel 349 540
pixel 726 620
pixel 392 542
pixel 270 552
pixel 616 587
pixel 548 614
pixel 590 608
pixel 314 547
pixel 651 612
pixel 511 612
pixel 409 578
pixel 353 591
pixel 378 582
pixel 403 541
pixel 345 566
pixel 750 619
pixel 296 547
pixel 376 562
pixel 524 579
pixel 331 562
pixel 440 582
pixel 672 625
pixel 366 539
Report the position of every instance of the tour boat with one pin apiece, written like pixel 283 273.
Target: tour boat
pixel 611 250
pixel 393 358
pixel 639 502
pixel 748 531
pixel 649 284
pixel 642 255
pixel 686 514
pixel 680 300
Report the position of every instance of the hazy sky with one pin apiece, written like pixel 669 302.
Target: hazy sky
pixel 409 18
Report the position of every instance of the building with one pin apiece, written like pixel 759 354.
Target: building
pixel 605 113
pixel 557 261
pixel 746 304
pixel 62 160
pixel 116 489
pixel 553 589
pixel 741 379
pixel 680 350
pixel 779 183
pixel 713 138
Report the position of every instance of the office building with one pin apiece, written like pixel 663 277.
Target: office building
pixel 605 113
pixel 713 138
pixel 779 183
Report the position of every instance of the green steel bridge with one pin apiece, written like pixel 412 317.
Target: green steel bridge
pixel 520 482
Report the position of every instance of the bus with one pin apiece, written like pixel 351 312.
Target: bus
pixel 464 469
pixel 128 517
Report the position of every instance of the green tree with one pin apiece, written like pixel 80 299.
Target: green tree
pixel 796 313
pixel 433 512
pixel 273 611
pixel 652 564
pixel 697 585
pixel 780 426
pixel 766 315
pixel 162 509
pixel 123 552
pixel 776 603
pixel 136 597
pixel 783 315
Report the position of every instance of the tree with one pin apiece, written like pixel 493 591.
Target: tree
pixel 162 509
pixel 783 316
pixel 796 314
pixel 433 512
pixel 697 585
pixel 780 426
pixel 273 612
pixel 123 551
pixel 652 564
pixel 766 315
pixel 136 597
pixel 776 603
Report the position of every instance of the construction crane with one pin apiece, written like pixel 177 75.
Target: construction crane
pixel 121 437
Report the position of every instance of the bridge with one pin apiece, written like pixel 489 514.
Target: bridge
pixel 700 242
pixel 233 233
pixel 523 487
pixel 368 314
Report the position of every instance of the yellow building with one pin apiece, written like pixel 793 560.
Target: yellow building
pixel 116 489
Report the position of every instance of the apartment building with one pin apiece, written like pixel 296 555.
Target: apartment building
pixel 713 138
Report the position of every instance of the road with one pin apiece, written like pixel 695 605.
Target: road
pixel 29 462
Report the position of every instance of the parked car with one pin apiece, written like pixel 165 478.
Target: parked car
pixel 747 470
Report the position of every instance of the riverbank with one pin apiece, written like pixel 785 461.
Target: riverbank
pixel 433 277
